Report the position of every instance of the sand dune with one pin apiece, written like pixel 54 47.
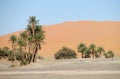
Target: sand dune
pixel 70 34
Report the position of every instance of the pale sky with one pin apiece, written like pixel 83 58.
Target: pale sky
pixel 15 13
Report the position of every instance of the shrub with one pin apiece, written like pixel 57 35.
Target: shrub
pixel 24 62
pixel 11 57
pixel 22 57
pixel 3 53
pixel 65 53
pixel 109 54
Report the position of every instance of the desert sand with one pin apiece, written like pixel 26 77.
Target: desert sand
pixel 64 69
pixel 70 34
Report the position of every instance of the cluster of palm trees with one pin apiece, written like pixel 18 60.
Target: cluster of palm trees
pixel 28 42
pixel 94 51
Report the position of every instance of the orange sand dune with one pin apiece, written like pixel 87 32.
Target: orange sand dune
pixel 70 34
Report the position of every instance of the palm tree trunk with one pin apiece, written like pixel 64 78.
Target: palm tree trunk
pixel 100 54
pixel 33 29
pixel 30 55
pixel 82 55
pixel 93 54
pixel 29 50
pixel 20 48
pixel 29 58
pixel 12 45
pixel 25 48
pixel 22 61
pixel 14 54
pixel 34 56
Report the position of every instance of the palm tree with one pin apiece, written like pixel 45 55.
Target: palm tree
pixel 21 43
pixel 92 47
pixel 100 50
pixel 36 32
pixel 38 39
pixel 81 48
pixel 23 36
pixel 86 53
pixel 13 39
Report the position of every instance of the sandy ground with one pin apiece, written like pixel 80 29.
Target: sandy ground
pixel 64 69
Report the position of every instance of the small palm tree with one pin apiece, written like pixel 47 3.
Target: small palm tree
pixel 100 50
pixel 21 43
pixel 23 36
pixel 87 53
pixel 13 39
pixel 92 47
pixel 81 48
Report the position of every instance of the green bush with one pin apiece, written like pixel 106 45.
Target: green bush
pixel 24 62
pixel 65 53
pixel 22 57
pixel 3 52
pixel 11 56
pixel 109 54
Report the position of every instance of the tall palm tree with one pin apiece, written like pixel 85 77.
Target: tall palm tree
pixel 92 47
pixel 38 39
pixel 36 32
pixel 81 48
pixel 13 39
pixel 100 50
